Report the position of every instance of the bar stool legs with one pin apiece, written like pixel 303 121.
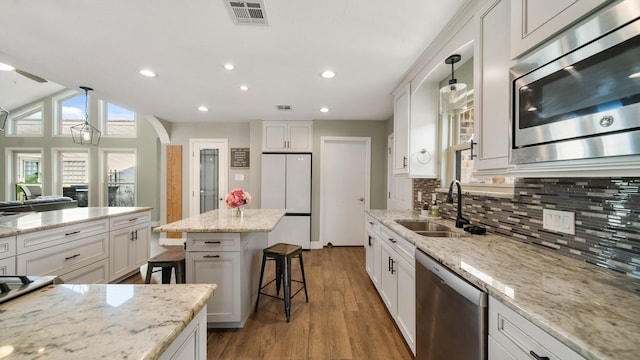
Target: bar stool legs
pixel 282 255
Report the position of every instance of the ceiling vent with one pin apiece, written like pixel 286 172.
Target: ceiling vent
pixel 283 108
pixel 247 12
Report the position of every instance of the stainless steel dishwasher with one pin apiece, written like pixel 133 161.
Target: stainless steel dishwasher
pixel 451 314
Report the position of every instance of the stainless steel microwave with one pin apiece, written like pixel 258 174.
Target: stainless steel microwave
pixel 579 96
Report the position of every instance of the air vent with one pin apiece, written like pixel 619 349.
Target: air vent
pixel 247 12
pixel 283 108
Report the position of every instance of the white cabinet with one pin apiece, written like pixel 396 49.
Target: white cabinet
pixel 96 273
pixel 397 282
pixel 287 136
pixel 372 249
pixel 511 336
pixel 533 22
pixel 401 113
pixel 8 255
pixel 491 62
pixel 191 343
pixel 129 244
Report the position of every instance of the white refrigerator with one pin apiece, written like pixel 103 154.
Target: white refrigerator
pixel 286 184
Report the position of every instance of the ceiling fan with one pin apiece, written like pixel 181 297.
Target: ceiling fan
pixel 5 67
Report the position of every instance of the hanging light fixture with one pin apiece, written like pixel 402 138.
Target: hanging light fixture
pixel 4 114
pixel 85 134
pixel 454 95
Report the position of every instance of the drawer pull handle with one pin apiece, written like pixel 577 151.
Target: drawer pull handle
pixel 211 256
pixel 537 357
pixel 392 240
pixel 134 219
pixel 72 233
pixel 213 242
pixel 371 223
pixel 71 257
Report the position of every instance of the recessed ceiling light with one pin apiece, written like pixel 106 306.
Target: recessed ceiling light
pixel 148 73
pixel 324 109
pixel 244 87
pixel 328 74
pixel 229 66
pixel 5 67
pixel 203 108
pixel 634 75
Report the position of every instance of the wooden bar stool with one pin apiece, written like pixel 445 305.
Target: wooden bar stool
pixel 167 260
pixel 282 254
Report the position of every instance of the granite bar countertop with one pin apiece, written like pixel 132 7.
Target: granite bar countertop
pixel 35 221
pixel 225 220
pixel 99 321
pixel 594 311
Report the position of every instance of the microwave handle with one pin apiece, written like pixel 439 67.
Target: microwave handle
pixel 472 145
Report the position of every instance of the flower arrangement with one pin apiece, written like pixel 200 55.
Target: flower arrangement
pixel 237 198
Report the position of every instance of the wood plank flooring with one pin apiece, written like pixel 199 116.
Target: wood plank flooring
pixel 345 317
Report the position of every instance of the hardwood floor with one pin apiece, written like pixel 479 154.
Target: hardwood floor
pixel 345 317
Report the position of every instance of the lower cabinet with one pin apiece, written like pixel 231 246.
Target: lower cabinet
pixel 8 266
pixel 96 273
pixel 511 336
pixel 191 343
pixel 129 250
pixel 397 282
pixel 372 250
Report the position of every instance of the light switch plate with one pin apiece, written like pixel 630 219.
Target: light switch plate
pixel 560 221
pixel 239 177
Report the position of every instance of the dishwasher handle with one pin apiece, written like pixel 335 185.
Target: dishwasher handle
pixel 449 278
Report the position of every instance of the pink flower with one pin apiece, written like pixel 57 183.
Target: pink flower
pixel 238 197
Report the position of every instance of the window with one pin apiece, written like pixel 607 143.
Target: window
pixel 119 121
pixel 73 175
pixel 27 122
pixel 70 111
pixel 28 174
pixel 120 169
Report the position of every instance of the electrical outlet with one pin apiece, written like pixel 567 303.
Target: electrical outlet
pixel 560 221
pixel 419 196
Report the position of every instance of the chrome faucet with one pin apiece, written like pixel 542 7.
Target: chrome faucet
pixel 460 221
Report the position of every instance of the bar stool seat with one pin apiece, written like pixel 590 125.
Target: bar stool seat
pixel 170 259
pixel 282 254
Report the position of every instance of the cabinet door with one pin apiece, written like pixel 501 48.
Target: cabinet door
pixel 406 314
pixel 401 111
pixel 140 253
pixel 8 266
pixel 300 137
pixel 120 253
pixel 497 352
pixel 274 137
pixel 223 269
pixel 533 22
pixel 491 79
pixel 388 277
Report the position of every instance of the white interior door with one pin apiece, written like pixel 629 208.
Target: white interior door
pixel 399 187
pixel 208 172
pixel 344 189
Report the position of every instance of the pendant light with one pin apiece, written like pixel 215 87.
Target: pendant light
pixel 453 96
pixel 4 114
pixel 85 134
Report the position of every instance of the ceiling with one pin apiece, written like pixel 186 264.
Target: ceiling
pixel 369 44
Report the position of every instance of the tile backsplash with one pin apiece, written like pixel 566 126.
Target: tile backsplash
pixel 607 216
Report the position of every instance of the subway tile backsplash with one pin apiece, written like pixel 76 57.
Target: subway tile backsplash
pixel 607 216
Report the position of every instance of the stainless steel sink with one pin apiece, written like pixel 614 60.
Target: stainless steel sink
pixel 429 229
pixel 447 234
pixel 418 225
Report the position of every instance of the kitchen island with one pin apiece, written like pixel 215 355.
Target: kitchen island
pixel 226 250
pixel 113 321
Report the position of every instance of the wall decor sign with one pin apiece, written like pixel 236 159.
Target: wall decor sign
pixel 239 157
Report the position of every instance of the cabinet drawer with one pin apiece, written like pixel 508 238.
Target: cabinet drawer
pixel 96 273
pixel 213 242
pixel 372 225
pixel 47 238
pixel 64 258
pixel 518 336
pixel 7 247
pixel 8 266
pixel 401 246
pixel 119 222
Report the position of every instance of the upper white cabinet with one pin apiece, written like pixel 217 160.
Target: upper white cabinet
pixel 287 136
pixel 401 113
pixel 532 22
pixel 491 83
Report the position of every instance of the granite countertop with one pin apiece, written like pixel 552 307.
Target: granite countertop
pixel 594 311
pixel 36 221
pixel 253 220
pixel 99 321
